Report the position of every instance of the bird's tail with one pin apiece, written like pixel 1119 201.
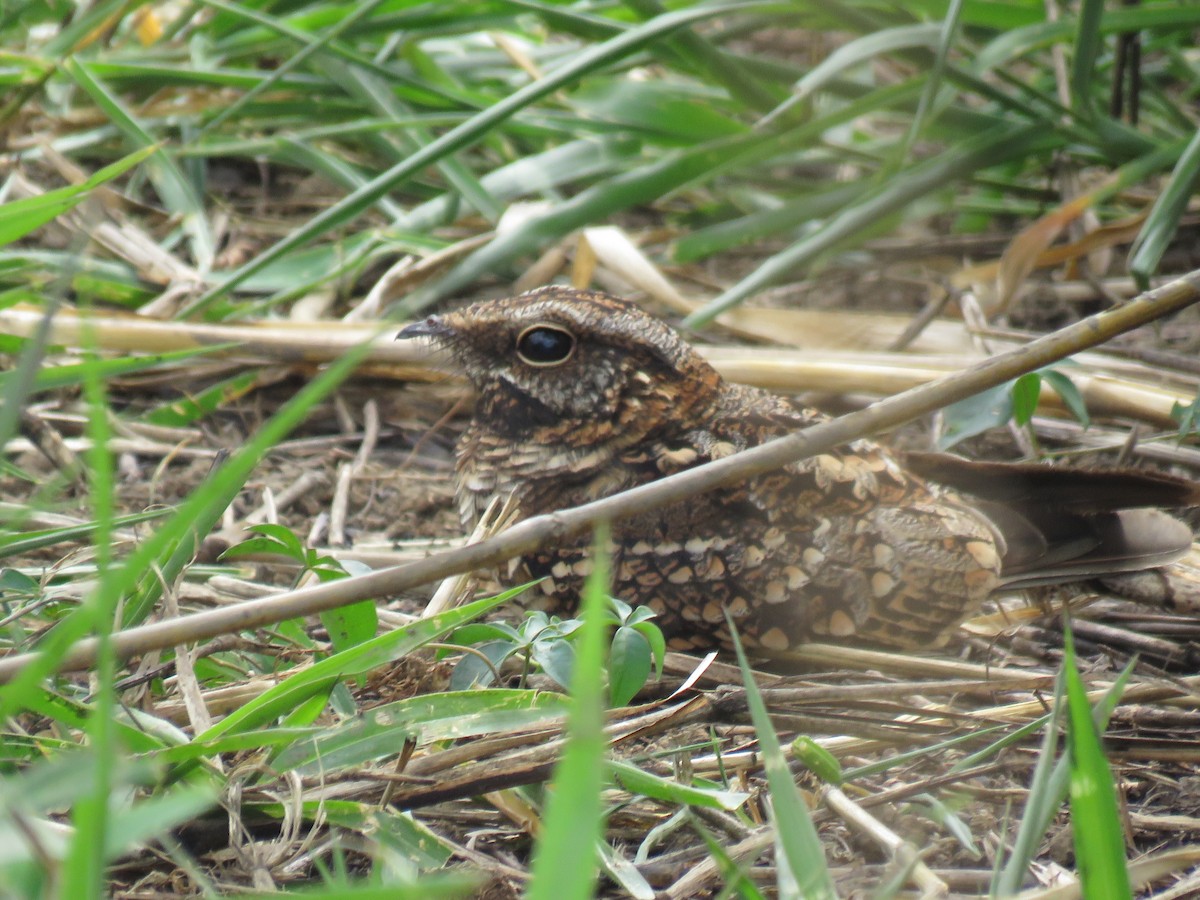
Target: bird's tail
pixel 1059 525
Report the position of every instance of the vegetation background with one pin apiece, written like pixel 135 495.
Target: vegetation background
pixel 206 208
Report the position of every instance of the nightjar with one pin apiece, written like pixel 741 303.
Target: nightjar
pixel 581 395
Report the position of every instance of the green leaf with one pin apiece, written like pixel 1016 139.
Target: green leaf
pixel 54 377
pixel 271 538
pixel 351 625
pixel 819 761
pixel 949 819
pixel 556 656
pixel 478 632
pixel 155 816
pixel 1025 393
pixel 471 671
pixel 17 582
pixel 631 187
pixel 975 415
pixel 680 113
pixel 814 203
pixel 92 815
pixel 1186 416
pixel 1046 790
pixel 401 835
pixel 170 183
pixel 628 665
pixel 736 878
pixel 61 782
pixel 16 544
pixel 1069 394
pixel 185 411
pixel 658 644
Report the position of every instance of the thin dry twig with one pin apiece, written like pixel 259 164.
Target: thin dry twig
pixel 898 848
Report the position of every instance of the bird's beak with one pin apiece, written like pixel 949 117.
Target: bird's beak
pixel 432 327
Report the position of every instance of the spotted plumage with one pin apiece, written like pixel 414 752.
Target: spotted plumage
pixel 581 395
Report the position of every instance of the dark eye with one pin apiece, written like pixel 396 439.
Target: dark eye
pixel 545 345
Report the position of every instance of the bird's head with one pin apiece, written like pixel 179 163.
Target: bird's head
pixel 577 362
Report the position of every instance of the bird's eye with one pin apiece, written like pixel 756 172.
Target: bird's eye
pixel 545 345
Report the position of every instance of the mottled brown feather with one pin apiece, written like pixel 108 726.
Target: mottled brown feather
pixel 853 544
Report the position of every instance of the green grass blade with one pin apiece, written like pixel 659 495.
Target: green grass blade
pixel 20 217
pixel 1088 44
pixel 1046 791
pixel 864 49
pixel 631 188
pixel 49 378
pixel 1095 816
pixel 172 546
pixel 29 541
pixel 702 56
pixel 637 781
pixel 947 32
pixel 310 44
pixel 1163 220
pixel 451 715
pixel 622 191
pixel 173 187
pixel 468 133
pixel 82 29
pixel 769 223
pixel 564 861
pixel 546 171
pixel 796 835
pixel 1049 786
pixel 375 93
pixel 19 383
pixel 83 870
pixel 989 149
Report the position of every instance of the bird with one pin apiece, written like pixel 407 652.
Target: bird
pixel 580 395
